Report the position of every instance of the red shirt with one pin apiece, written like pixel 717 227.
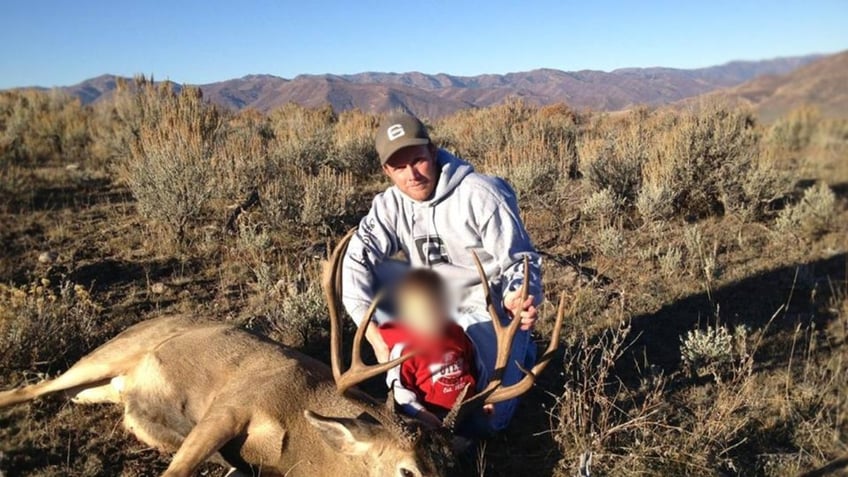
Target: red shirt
pixel 441 370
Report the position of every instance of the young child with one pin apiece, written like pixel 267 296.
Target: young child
pixel 427 385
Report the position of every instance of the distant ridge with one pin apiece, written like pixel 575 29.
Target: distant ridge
pixel 823 84
pixel 434 95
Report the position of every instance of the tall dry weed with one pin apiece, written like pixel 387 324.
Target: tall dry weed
pixel 170 139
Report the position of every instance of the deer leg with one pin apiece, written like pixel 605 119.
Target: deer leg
pixel 79 376
pixel 102 393
pixel 150 432
pixel 217 427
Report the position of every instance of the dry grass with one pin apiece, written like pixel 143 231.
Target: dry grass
pixel 43 320
pixel 679 234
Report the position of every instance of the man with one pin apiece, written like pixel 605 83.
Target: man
pixel 436 212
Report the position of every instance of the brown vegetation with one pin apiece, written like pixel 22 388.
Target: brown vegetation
pixel 704 252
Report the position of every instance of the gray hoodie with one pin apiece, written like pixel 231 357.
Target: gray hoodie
pixel 468 211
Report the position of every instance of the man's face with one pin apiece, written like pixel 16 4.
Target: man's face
pixel 414 171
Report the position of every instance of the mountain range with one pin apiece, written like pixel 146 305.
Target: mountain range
pixel 822 83
pixel 434 95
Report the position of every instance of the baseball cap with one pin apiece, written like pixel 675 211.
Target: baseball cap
pixel 397 131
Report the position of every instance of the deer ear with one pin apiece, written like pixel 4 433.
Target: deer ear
pixel 347 436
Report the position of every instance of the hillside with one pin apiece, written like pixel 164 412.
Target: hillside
pixel 823 84
pixel 436 95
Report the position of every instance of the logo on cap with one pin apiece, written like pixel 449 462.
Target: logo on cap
pixel 395 131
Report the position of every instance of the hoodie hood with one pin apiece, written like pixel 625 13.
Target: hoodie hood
pixel 453 170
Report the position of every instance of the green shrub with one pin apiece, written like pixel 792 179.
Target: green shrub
pixel 303 138
pixel 708 164
pixel 610 240
pixel 288 308
pixel 477 133
pixel 40 127
pixel 795 131
pixel 326 198
pixel 242 159
pixel 812 216
pixel 602 205
pixel 612 157
pixel 655 201
pixel 532 149
pixel 172 138
pixel 714 350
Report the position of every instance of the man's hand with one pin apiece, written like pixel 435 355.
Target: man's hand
pixel 525 310
pixel 381 349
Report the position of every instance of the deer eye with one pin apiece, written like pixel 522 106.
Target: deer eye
pixel 406 473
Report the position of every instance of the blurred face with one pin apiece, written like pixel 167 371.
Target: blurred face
pixel 414 171
pixel 422 313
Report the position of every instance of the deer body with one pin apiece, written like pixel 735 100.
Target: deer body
pixel 239 392
pixel 210 391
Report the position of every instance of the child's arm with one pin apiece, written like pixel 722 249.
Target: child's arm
pixel 405 397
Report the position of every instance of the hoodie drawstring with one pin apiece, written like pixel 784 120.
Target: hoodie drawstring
pixel 432 231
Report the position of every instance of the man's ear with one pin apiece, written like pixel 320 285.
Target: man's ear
pixel 344 435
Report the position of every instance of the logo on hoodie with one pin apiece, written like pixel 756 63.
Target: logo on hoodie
pixel 431 250
pixel 449 371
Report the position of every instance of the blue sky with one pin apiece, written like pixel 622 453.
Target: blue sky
pixel 63 42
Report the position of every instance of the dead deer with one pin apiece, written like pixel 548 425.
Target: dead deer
pixel 212 391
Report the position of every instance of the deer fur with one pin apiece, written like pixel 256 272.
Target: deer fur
pixel 213 391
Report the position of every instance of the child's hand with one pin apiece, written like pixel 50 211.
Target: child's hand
pixel 489 410
pixel 429 419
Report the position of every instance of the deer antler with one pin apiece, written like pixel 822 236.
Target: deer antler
pixel 494 392
pixel 358 371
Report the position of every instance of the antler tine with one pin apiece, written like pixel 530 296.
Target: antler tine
pixel 504 335
pixel 358 371
pixel 525 284
pixel 452 417
pixel 521 387
pixel 356 350
pixel 487 294
pixel 332 275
